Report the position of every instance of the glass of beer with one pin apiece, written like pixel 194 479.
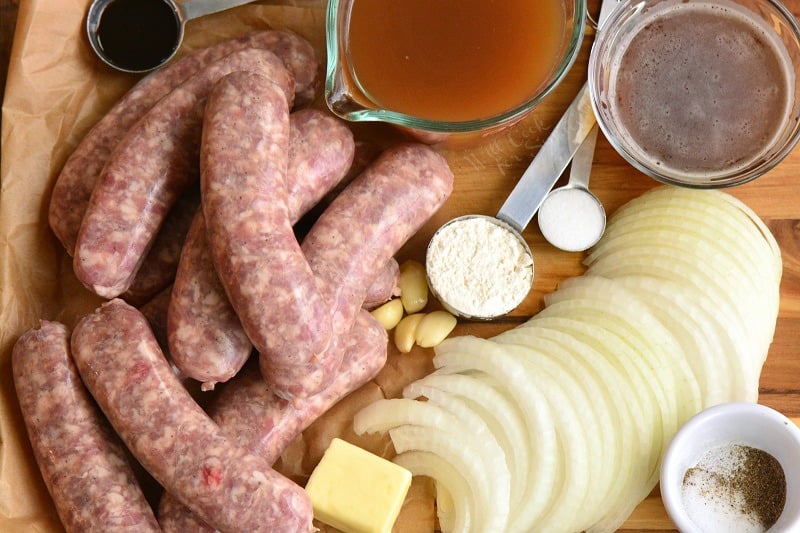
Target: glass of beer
pixel 698 93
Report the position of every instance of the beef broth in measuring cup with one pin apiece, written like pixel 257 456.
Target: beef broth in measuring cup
pixel 448 66
pixel 699 92
pixel 454 60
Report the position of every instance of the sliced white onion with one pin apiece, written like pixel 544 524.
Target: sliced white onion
pixel 445 507
pixel 490 471
pixel 489 512
pixel 657 339
pixel 478 427
pixel 454 495
pixel 575 448
pixel 645 415
pixel 714 206
pixel 762 228
pixel 720 349
pixel 697 255
pixel 664 265
pixel 714 387
pixel 644 366
pixel 606 467
pixel 491 452
pixel 499 412
pixel 750 247
pixel 455 355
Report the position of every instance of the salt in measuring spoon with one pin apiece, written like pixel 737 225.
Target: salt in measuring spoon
pixel 514 215
pixel 138 36
pixel 571 218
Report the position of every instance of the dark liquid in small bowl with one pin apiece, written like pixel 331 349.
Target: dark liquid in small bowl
pixel 138 34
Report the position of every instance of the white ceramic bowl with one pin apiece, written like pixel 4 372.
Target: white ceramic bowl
pixel 748 424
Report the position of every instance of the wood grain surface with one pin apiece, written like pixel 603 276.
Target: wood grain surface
pixel 487 170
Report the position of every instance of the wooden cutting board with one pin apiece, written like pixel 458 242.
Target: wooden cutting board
pixel 486 171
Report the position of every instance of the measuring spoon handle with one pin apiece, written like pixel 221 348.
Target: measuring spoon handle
pixel 551 160
pixel 581 167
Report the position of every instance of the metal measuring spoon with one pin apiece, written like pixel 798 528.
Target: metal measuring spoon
pixel 529 193
pixel 571 218
pixel 138 36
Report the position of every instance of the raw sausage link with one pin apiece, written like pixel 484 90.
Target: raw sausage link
pixel 83 463
pixel 265 423
pixel 363 154
pixel 249 412
pixel 148 170
pixel 321 151
pixel 77 179
pixel 171 436
pixel 384 286
pixel 206 338
pixel 245 204
pixel 161 262
pixel 356 235
pixel 155 311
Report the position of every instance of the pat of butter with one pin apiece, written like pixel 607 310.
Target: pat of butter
pixel 356 491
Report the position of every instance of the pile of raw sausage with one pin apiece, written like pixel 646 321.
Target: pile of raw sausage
pixel 179 207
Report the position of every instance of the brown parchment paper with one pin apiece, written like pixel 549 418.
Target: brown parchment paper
pixel 55 92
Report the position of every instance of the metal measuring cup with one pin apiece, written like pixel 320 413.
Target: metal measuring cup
pixel 160 22
pixel 534 185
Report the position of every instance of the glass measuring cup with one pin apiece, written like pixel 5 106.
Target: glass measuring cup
pixel 515 214
pixel 349 98
pixel 138 36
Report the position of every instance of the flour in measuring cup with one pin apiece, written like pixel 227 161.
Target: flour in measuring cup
pixel 477 268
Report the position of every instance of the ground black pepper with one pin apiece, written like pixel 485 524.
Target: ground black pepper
pixel 746 481
pixel 763 483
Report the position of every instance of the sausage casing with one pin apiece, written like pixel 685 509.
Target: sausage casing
pixel 158 267
pixel 75 182
pixel 172 437
pixel 149 169
pixel 364 226
pixel 206 338
pixel 245 205
pixel 384 286
pixel 83 463
pixel 251 414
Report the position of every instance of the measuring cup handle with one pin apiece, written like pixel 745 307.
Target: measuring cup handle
pixel 192 9
pixel 551 160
